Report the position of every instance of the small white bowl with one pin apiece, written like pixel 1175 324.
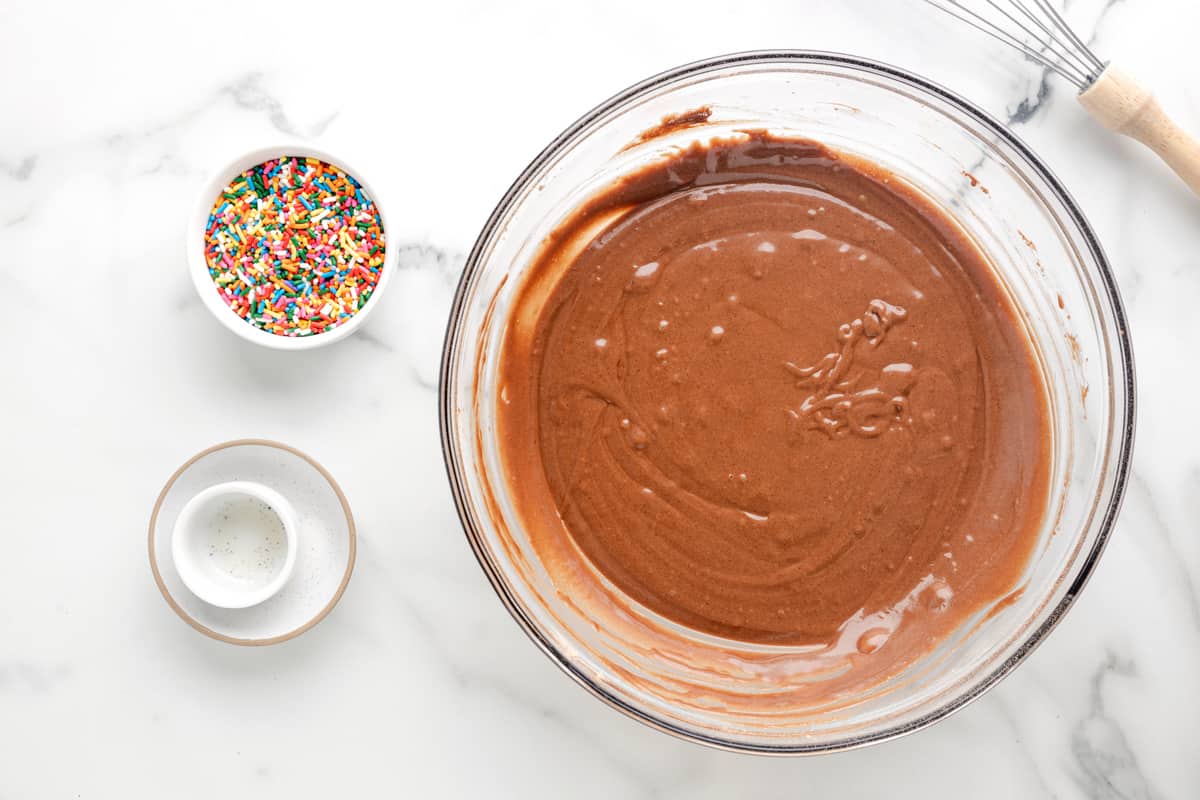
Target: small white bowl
pixel 234 544
pixel 208 290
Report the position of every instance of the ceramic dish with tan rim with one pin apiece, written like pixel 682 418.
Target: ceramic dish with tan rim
pixel 326 541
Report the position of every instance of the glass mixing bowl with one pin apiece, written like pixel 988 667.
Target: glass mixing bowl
pixel 756 697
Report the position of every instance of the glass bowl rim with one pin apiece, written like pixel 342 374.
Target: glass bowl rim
pixel 1120 465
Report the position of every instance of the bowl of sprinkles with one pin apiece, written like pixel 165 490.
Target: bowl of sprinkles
pixel 289 250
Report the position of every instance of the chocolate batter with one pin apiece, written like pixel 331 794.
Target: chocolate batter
pixel 776 395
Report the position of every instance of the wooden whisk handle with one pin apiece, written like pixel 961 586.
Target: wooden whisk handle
pixel 1123 105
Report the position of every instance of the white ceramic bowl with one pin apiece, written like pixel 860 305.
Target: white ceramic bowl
pixel 207 289
pixel 222 548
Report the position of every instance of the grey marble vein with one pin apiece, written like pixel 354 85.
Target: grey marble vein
pixel 1108 4
pixel 1107 768
pixel 367 337
pixel 37 678
pixel 248 93
pixel 167 163
pixel 1029 106
pixel 1139 493
pixel 18 219
pixel 21 170
pixel 423 255
pixel 525 702
pixel 1092 34
pixel 420 380
pixel 1011 719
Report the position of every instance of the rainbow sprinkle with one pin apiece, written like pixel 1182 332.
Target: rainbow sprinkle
pixel 294 246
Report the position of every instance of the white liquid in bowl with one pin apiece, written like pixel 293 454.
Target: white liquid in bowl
pixel 234 544
pixel 245 541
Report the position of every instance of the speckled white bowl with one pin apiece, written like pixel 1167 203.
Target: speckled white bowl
pixel 324 552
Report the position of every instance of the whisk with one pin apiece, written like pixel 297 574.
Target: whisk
pixel 1112 97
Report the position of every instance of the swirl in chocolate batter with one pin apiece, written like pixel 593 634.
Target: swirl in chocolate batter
pixel 834 406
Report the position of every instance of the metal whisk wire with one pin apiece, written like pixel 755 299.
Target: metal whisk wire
pixel 1114 98
pixel 1047 38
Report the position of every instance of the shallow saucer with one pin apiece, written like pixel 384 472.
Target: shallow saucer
pixel 326 541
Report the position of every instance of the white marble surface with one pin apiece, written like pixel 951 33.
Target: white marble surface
pixel 419 685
